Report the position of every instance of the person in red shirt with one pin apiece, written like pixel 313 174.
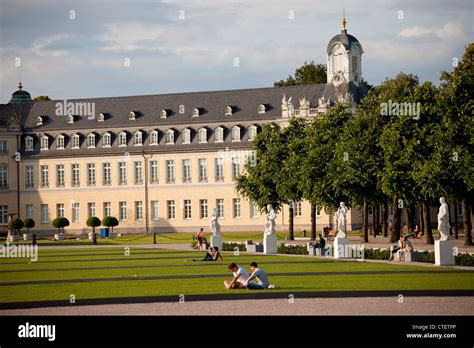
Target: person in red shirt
pixel 200 238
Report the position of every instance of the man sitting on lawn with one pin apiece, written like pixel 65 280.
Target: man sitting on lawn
pixel 260 275
pixel 240 275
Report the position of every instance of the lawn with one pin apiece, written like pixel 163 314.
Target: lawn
pixel 108 272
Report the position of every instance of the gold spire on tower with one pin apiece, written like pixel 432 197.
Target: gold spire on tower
pixel 344 20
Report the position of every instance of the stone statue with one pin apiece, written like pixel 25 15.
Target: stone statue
pixel 443 220
pixel 215 226
pixel 341 220
pixel 284 103
pixel 270 223
pixel 304 103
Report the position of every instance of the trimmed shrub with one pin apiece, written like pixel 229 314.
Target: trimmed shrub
pixel 110 221
pixel 15 225
pixel 29 223
pixel 376 254
pixel 230 246
pixel 60 223
pixel 292 249
pixel 464 260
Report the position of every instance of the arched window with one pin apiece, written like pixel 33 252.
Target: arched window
pixel 106 140
pixel 203 135
pixel 261 109
pixel 75 141
pixel 236 133
pixel 219 135
pixel 101 117
pixel 252 132
pixel 60 142
pixel 137 138
pixel 163 113
pixel 169 137
pixel 44 142
pixel 70 119
pixel 186 136
pixel 39 121
pixel 122 139
pixel 196 112
pixel 29 143
pixel 132 115
pixel 228 111
pixel 153 137
pixel 90 140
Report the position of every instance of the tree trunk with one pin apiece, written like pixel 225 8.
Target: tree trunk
pixel 456 236
pixel 395 230
pixel 422 220
pixel 385 217
pixel 313 221
pixel 427 220
pixel 449 220
pixel 411 218
pixel 467 223
pixel 290 222
pixel 375 215
pixel 365 222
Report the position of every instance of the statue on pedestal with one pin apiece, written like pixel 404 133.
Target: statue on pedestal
pixel 215 226
pixel 270 223
pixel 341 220
pixel 443 220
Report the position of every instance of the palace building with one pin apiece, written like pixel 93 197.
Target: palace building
pixel 159 163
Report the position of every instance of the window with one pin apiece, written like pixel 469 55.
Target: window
pixel 60 142
pixel 75 141
pixel 219 169
pixel 106 175
pixel 44 214
pixel 39 121
pixel 122 173
pixel 235 167
pixel 186 170
pixel 90 174
pixel 186 136
pixel 202 170
pixel 138 210
pixel 29 143
pixel 75 212
pixel 169 137
pixel 203 209
pixel 44 176
pixel 137 139
pixel 155 212
pixel 236 207
pixel 261 109
pixel 106 140
pixel 70 119
pixel 29 177
pixel 163 113
pixel 196 112
pixel 297 210
pixel 228 111
pixel 75 175
pixel 138 172
pixel 219 135
pixel 44 142
pixel 354 64
pixel 101 117
pixel 252 133
pixel 29 211
pixel 122 211
pixel 91 140
pixel 170 172
pixel 153 138
pixel 132 115
pixel 90 209
pixel 187 209
pixel 154 172
pixel 220 207
pixel 3 214
pixel 107 209
pixel 236 133
pixel 3 176
pixel 202 135
pixel 171 209
pixel 3 147
pixel 253 210
pixel 122 139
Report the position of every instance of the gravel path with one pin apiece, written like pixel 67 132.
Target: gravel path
pixel 327 306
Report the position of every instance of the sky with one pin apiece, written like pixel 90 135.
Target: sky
pixel 81 49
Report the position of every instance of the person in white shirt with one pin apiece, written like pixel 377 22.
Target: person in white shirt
pixel 240 275
pixel 260 276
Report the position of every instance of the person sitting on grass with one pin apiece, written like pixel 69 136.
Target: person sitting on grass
pixel 240 275
pixel 211 255
pixel 216 254
pixel 319 243
pixel 260 276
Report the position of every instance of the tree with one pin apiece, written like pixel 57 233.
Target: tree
pixel 110 221
pixel 41 98
pixel 15 225
pixel 60 223
pixel 29 223
pixel 306 74
pixel 93 222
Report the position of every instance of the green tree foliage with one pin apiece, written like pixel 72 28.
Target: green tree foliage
pixel 307 74
pixel 110 221
pixel 29 223
pixel 15 225
pixel 41 98
pixel 60 223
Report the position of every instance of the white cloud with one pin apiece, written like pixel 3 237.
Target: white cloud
pixel 446 32
pixel 40 46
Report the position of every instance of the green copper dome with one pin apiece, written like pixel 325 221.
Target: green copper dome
pixel 21 96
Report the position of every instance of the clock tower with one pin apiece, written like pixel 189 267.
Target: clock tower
pixel 344 58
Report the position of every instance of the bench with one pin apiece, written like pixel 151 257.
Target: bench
pixel 408 256
pixel 317 251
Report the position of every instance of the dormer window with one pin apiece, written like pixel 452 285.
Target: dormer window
pixel 236 133
pixel 137 139
pixel 163 113
pixel 219 135
pixel 202 135
pixel 262 109
pixel 75 141
pixel 122 139
pixel 70 119
pixel 60 142
pixel 153 137
pixel 196 112
pixel 252 132
pixel 169 137
pixel 186 136
pixel 101 117
pixel 132 115
pixel 228 111
pixel 39 121
pixel 29 143
pixel 106 140
pixel 44 143
pixel 90 140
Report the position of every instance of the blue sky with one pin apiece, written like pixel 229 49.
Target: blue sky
pixel 181 46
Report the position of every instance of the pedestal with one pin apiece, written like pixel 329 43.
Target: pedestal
pixel 216 241
pixel 270 244
pixel 444 253
pixel 341 248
